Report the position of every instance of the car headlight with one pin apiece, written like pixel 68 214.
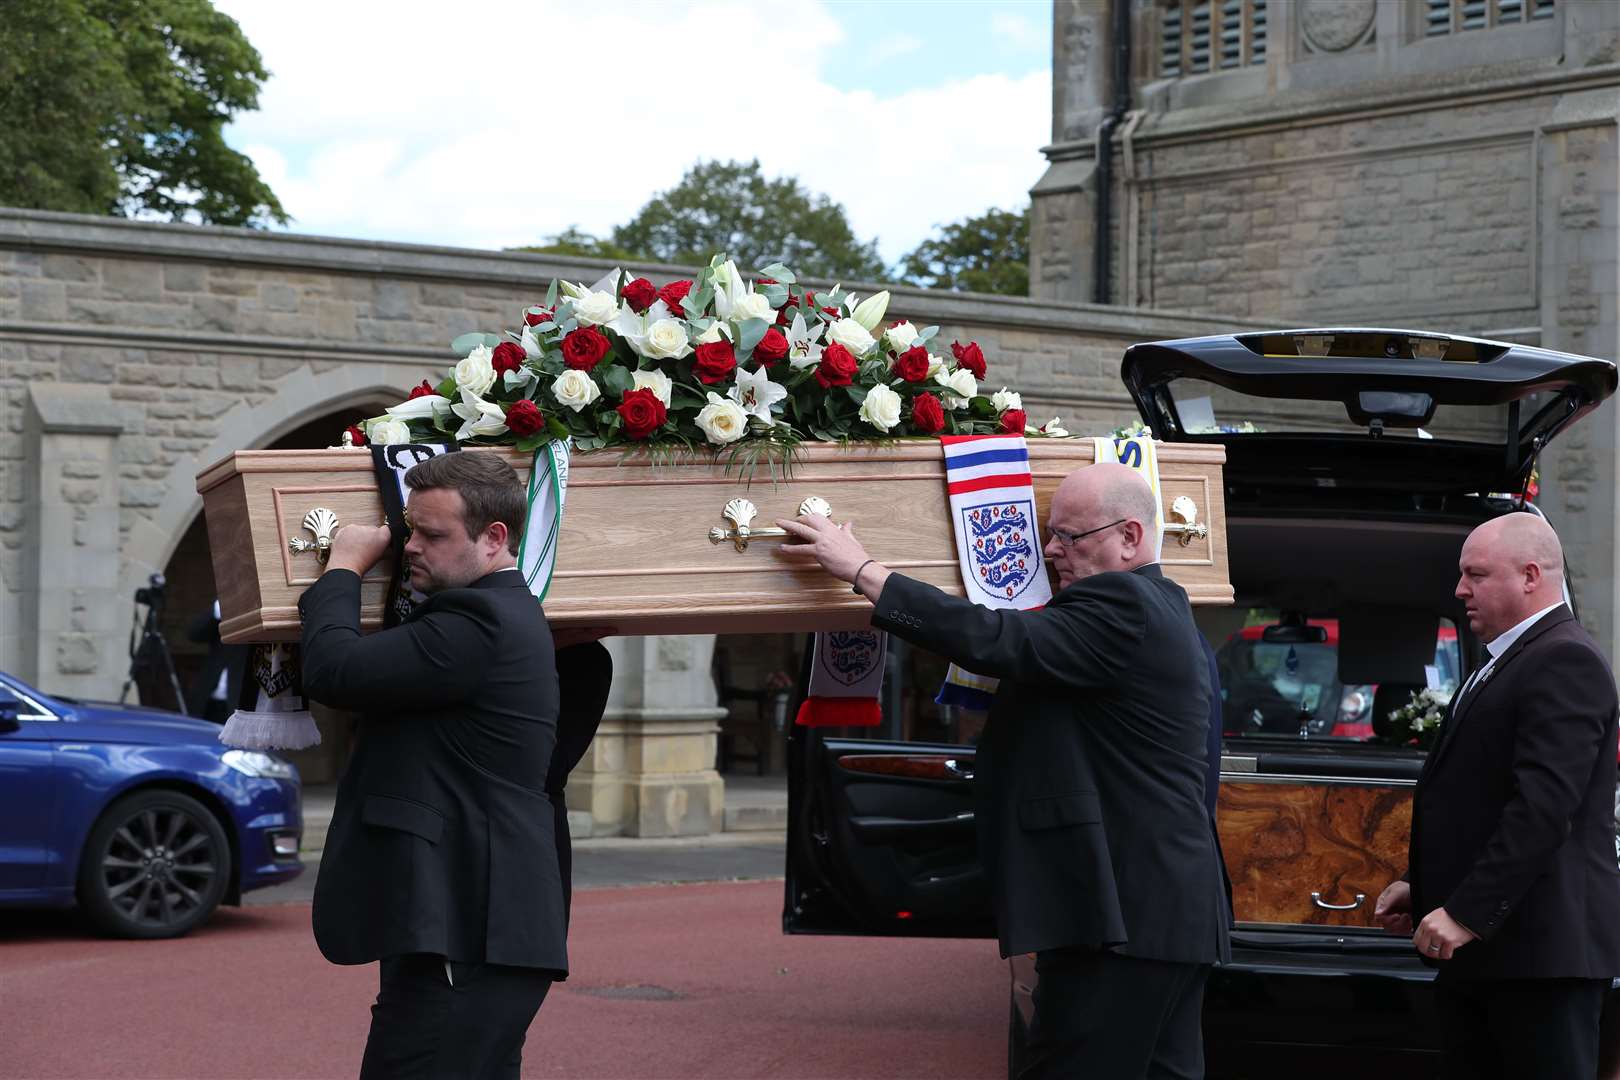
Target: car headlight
pixel 261 765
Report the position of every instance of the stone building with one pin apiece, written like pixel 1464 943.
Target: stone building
pixel 133 355
pixel 1431 164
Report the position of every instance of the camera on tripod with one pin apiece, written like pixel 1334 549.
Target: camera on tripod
pixel 151 594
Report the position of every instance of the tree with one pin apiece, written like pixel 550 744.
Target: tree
pixel 731 207
pixel 988 253
pixel 576 241
pixel 119 107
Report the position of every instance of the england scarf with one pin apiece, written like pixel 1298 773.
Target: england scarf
pixel 998 543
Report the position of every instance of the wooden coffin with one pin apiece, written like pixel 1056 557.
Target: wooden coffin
pixel 1307 851
pixel 636 552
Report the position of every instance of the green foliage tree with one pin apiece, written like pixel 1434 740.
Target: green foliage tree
pixel 988 253
pixel 119 107
pixel 576 241
pixel 730 206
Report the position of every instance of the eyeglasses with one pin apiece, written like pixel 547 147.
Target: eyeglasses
pixel 1070 537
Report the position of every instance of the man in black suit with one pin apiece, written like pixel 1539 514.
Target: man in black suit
pixel 1511 876
pixel 441 860
pixel 1090 778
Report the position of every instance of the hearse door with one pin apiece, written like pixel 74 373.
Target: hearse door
pixel 881 839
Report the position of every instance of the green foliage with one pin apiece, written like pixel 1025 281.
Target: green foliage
pixel 988 253
pixel 731 206
pixel 576 241
pixel 119 107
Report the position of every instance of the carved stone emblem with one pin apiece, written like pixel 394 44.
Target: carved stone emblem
pixel 1336 25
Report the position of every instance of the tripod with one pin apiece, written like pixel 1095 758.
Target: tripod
pixel 145 640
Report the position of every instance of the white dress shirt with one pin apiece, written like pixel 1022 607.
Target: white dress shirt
pixel 1501 643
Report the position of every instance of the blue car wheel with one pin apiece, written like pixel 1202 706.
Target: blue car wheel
pixel 156 864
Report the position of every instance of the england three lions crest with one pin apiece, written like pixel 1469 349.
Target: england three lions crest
pixel 1001 545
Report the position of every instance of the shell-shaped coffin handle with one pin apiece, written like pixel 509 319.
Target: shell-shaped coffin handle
pixel 742 512
pixel 1187 526
pixel 324 524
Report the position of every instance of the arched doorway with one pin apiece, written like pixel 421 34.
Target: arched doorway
pixel 185 621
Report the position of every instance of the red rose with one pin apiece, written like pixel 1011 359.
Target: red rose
pixel 643 413
pixel 771 348
pixel 523 418
pixel 672 295
pixel 784 317
pixel 837 367
pixel 356 436
pixel 767 281
pixel 537 315
pixel 927 415
pixel 969 356
pixel 584 348
pixel 425 390
pixel 912 365
pixel 1012 422
pixel 640 294
pixel 508 356
pixel 715 362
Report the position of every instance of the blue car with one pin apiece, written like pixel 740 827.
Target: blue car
pixel 139 816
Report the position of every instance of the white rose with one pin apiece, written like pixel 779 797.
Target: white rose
pixel 388 430
pixel 900 337
pixel 666 340
pixel 851 335
pixel 752 306
pixel 575 389
pixel 722 421
pixel 881 408
pixel 961 384
pixel 597 309
pixel 1005 399
pixel 656 381
pixel 476 371
pixel 715 332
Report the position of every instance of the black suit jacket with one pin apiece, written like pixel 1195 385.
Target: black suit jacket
pixel 1513 823
pixel 584 676
pixel 1090 772
pixel 442 838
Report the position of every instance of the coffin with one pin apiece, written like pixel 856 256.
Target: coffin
pixel 636 550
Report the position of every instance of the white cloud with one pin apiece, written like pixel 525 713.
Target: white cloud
pixel 497 123
pixel 892 48
pixel 1017 29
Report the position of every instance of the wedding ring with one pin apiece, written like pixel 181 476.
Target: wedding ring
pixel 1434 947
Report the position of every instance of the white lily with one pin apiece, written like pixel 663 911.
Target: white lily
pixel 729 289
pixel 574 291
pixel 418 408
pixel 480 417
pixel 870 312
pixel 804 344
pixel 756 393
pixel 531 347
pixel 1053 428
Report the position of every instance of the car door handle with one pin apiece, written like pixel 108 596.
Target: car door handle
pixel 1316 898
pixel 958 770
pixel 880 830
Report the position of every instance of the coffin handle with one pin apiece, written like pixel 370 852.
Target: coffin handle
pixel 1316 898
pixel 323 523
pixel 1188 527
pixel 742 512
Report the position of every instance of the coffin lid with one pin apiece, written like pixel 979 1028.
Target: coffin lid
pixel 1355 407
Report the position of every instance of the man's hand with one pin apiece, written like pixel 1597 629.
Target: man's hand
pixel 833 546
pixel 563 637
pixel 1439 935
pixel 358 547
pixel 1394 908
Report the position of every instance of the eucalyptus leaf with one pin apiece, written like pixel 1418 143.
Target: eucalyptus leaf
pixel 551 295
pixel 779 272
pixel 776 294
pixel 466 343
pixel 926 336
pixel 750 333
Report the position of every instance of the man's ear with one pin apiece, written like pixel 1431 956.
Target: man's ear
pixel 1532 576
pixel 1135 533
pixel 496 534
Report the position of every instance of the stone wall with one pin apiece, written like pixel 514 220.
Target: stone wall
pixel 132 355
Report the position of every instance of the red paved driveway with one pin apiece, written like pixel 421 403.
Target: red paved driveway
pixel 669 981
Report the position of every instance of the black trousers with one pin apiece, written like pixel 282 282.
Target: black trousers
pixel 1523 1029
pixel 1104 1016
pixel 425 1028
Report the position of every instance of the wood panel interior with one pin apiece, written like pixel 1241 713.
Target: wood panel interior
pixel 1285 840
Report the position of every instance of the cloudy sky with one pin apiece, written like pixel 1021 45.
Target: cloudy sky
pixel 492 123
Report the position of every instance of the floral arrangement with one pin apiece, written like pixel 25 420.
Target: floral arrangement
pixel 719 361
pixel 1418 721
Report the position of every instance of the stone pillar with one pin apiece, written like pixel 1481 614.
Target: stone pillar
pixel 74 611
pixel 1064 200
pixel 1579 285
pixel 650 770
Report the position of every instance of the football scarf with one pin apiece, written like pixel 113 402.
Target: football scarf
pixel 271 713
pixel 998 543
pixel 846 674
pixel 1137 453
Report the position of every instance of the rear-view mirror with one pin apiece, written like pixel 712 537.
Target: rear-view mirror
pixel 1294 630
